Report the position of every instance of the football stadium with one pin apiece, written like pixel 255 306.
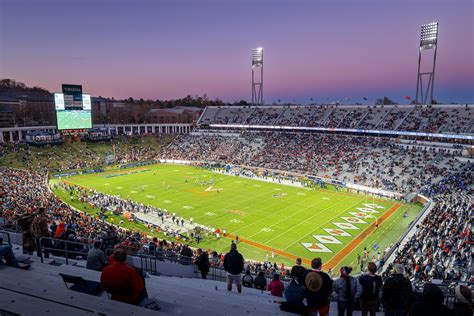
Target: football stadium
pixel 316 196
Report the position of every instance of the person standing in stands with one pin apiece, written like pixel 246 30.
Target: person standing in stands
pixel 297 271
pixel 294 296
pixel 25 223
pixel 371 285
pixel 39 229
pixel 347 292
pixel 318 289
pixel 233 265
pixel 122 281
pixel 396 292
pixel 202 262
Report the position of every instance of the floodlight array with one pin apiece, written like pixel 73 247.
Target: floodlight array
pixel 429 35
pixel 257 56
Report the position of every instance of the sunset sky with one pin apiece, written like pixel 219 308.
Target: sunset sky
pixel 333 50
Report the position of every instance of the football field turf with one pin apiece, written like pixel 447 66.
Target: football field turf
pixel 291 221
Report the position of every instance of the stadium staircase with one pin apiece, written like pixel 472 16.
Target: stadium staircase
pixel 404 119
pixel 384 117
pixel 361 120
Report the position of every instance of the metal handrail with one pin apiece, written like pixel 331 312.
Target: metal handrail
pixel 66 251
pixel 148 262
pixel 11 226
pixel 8 236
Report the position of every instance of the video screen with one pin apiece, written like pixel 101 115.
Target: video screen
pixel 72 113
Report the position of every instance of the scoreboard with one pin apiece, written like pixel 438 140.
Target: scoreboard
pixel 73 108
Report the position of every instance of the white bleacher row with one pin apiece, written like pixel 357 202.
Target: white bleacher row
pixel 41 291
pixel 436 118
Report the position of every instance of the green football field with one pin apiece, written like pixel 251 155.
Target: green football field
pixel 294 221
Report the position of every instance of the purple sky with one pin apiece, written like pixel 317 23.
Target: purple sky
pixel 326 50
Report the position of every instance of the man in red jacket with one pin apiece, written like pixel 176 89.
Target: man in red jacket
pixel 122 281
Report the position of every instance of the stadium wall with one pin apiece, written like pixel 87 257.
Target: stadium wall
pixel 18 134
pixel 345 130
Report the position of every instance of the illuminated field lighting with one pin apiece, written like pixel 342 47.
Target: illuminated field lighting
pixel 425 79
pixel 257 76
pixel 429 35
pixel 257 56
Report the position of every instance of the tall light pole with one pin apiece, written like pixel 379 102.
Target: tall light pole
pixel 257 81
pixel 428 40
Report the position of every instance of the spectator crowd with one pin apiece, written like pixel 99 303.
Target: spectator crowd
pixel 439 249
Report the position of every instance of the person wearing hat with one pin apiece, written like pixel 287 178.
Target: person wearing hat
pixel 463 305
pixel 347 291
pixel 396 292
pixel 318 289
pixel 431 304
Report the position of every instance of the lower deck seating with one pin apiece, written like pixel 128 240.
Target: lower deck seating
pixel 41 291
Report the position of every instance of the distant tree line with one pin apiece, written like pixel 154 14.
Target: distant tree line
pixel 15 88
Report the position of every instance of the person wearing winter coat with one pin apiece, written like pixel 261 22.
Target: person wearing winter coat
pixel 233 265
pixel 202 263
pixel 347 291
pixel 294 296
pixel 396 292
pixel 371 285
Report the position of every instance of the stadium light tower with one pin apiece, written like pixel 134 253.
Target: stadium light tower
pixel 257 81
pixel 428 40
